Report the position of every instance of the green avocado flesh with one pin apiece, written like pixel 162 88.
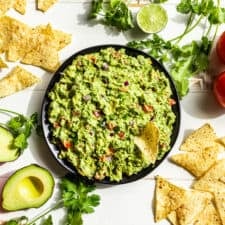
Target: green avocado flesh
pixel 6 152
pixel 29 187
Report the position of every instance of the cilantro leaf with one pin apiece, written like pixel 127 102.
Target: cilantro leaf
pixel 18 221
pixel 96 8
pixel 189 60
pixel 77 200
pixel 217 15
pixel 181 62
pixel 184 6
pixel 113 13
pixel 21 127
pixel 16 123
pixel 156 47
pixel 47 221
pixel 197 7
pixel 12 222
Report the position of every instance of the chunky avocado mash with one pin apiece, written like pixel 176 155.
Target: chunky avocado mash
pixel 101 102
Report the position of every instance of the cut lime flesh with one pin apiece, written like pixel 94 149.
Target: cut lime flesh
pixel 152 18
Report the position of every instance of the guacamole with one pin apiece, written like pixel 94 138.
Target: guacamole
pixel 100 103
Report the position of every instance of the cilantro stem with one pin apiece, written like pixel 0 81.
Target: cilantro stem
pixel 57 205
pixel 10 111
pixel 217 26
pixel 188 30
pixel 214 36
pixel 189 22
pixel 2 124
pixel 209 30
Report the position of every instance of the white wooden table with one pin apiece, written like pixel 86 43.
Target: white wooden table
pixel 127 204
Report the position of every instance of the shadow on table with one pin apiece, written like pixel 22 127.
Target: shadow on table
pixel 202 105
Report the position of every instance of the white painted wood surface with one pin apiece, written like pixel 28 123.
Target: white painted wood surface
pixel 128 204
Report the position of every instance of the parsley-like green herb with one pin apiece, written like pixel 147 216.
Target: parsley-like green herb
pixel 21 127
pixel 47 221
pixel 19 221
pixel 113 13
pixel 185 61
pixel 76 199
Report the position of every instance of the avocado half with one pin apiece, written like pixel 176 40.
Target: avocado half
pixel 6 152
pixel 29 187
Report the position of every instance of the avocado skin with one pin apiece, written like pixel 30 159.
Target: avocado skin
pixel 14 193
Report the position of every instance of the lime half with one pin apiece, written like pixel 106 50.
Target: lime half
pixel 152 18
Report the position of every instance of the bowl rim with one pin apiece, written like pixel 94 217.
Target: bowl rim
pixel 45 124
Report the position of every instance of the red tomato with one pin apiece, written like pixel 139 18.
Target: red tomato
pixel 220 47
pixel 219 88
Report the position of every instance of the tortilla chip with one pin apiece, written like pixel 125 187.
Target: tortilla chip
pixel 63 38
pixel 20 6
pixel 168 197
pixel 221 141
pixel 5 5
pixel 212 180
pixel 172 217
pixel 13 34
pixel 18 79
pixel 197 162
pixel 60 38
pixel 220 204
pixel 148 142
pixel 37 46
pixel 42 49
pixel 2 64
pixel 209 216
pixel 201 138
pixel 44 5
pixel 43 57
pixel 195 203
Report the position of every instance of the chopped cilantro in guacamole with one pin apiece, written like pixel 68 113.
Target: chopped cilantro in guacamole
pixel 101 102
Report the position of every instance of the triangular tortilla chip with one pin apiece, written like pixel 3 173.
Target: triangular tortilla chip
pixel 20 6
pixel 44 5
pixel 197 162
pixel 201 138
pixel 168 197
pixel 148 141
pixel 5 5
pixel 13 33
pixel 211 180
pixel 220 204
pixel 209 216
pixel 60 38
pixel 189 211
pixel 18 79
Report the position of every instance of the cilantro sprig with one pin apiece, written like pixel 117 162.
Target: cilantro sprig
pixel 76 199
pixel 21 127
pixel 185 61
pixel 113 13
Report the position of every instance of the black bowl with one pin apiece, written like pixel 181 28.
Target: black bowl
pixel 46 125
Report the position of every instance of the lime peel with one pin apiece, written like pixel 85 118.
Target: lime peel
pixel 152 18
